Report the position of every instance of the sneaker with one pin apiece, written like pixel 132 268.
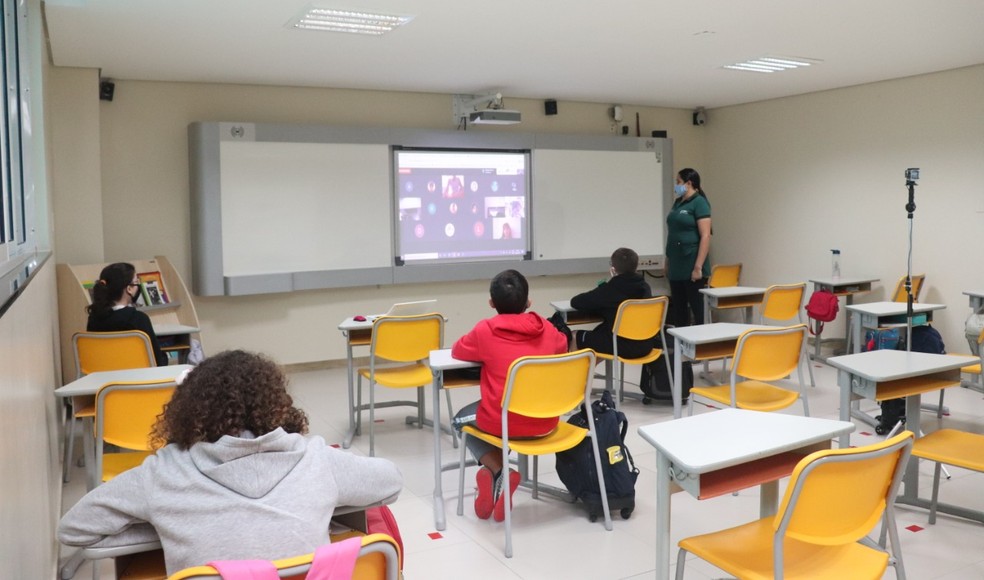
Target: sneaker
pixel 484 498
pixel 499 513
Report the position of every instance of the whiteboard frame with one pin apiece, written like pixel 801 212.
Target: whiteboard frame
pixel 208 278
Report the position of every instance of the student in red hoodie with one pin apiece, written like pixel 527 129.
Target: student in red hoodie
pixel 496 342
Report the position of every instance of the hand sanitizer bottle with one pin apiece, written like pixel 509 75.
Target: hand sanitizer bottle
pixel 835 271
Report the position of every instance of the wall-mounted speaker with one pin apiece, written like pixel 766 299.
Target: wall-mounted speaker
pixel 106 90
pixel 550 107
pixel 659 134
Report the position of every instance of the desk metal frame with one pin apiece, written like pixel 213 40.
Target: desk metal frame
pixel 892 374
pixel 760 449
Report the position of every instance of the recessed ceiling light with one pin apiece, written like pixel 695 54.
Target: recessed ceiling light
pixel 355 22
pixel 771 64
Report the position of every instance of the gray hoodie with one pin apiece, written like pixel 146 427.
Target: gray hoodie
pixel 241 497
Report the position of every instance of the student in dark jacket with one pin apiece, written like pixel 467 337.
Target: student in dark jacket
pixel 625 283
pixel 112 310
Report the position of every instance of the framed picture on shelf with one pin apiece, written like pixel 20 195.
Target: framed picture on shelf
pixel 153 280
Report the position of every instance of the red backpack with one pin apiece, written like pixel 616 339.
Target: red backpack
pixel 822 307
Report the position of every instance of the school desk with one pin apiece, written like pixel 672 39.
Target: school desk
pixel 874 315
pixel 725 451
pixel 846 287
pixel 744 297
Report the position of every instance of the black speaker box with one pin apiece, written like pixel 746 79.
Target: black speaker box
pixel 659 134
pixel 106 90
pixel 550 107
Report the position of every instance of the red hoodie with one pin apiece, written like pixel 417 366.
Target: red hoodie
pixel 496 342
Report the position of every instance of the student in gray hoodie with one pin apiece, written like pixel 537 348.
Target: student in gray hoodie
pixel 236 477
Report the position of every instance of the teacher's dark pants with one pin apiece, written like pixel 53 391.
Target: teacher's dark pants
pixel 686 300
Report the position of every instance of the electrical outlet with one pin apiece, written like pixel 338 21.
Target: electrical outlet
pixel 614 127
pixel 652 263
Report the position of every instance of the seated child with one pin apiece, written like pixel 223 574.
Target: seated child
pixel 625 283
pixel 236 478
pixel 496 342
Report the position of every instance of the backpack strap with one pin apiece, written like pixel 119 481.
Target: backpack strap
pixel 245 569
pixel 335 561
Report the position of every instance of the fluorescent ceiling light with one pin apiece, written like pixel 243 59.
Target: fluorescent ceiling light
pixel 331 20
pixel 771 64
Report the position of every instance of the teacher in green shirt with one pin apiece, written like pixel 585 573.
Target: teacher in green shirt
pixel 688 243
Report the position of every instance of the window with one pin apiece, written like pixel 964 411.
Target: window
pixel 15 134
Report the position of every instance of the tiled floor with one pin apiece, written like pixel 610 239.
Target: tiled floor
pixel 553 539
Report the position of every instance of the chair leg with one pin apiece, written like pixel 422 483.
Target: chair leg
pixel 454 433
pixel 420 408
pixel 372 418
pixel 358 407
pixel 536 472
pixel 601 479
pixel 802 392
pixel 936 493
pixel 893 536
pixel 461 476
pixel 507 498
pixel 681 563
pixel 69 448
pixel 939 409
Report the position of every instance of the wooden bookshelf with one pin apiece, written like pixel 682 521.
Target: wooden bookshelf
pixel 175 323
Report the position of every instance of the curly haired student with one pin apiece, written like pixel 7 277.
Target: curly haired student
pixel 236 477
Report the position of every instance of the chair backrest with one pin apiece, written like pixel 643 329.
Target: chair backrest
pixel 837 496
pixel 641 318
pixel 724 275
pixel 917 284
pixel 378 560
pixel 548 385
pixel 126 412
pixel 111 351
pixel 769 354
pixel 407 338
pixel 783 301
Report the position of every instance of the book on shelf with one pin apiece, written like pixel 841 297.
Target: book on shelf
pixel 153 288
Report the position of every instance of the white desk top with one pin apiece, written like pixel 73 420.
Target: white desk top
pixel 974 293
pixel 719 439
pixel 172 329
pixel 442 360
pixel 892 308
pixel 89 384
pixel 890 365
pixel 843 281
pixel 714 332
pixel 732 291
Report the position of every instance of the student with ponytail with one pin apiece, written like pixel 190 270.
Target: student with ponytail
pixel 112 310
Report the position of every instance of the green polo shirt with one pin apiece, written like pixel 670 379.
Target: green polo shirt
pixel 683 237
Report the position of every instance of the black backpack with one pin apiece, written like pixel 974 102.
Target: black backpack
pixel 576 466
pixel 654 381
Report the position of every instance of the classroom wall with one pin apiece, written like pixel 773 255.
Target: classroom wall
pixel 30 476
pixel 143 166
pixel 791 178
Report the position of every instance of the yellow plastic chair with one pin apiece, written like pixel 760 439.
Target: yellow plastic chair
pixel 406 342
pixel 102 351
pixel 636 319
pixel 834 499
pixel 125 414
pixel 724 276
pixel 761 354
pixel 543 386
pixel 378 560
pixel 951 447
pixel 783 302
pixel 917 284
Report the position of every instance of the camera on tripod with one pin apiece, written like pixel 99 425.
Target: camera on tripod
pixel 912 174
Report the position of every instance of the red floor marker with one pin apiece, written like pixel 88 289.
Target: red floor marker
pixel 435 535
pixel 914 528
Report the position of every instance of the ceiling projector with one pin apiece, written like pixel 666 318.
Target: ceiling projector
pixel 494 117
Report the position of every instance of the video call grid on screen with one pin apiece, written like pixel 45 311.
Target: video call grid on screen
pixel 456 205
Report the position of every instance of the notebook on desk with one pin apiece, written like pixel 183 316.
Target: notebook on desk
pixel 408 309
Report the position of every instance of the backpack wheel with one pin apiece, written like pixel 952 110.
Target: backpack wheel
pixel 593 518
pixel 626 513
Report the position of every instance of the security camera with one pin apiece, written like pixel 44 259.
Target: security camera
pixel 700 117
pixel 912 174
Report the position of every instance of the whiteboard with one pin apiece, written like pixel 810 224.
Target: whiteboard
pixel 297 207
pixel 588 203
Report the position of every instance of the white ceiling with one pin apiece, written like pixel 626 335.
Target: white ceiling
pixel 643 52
